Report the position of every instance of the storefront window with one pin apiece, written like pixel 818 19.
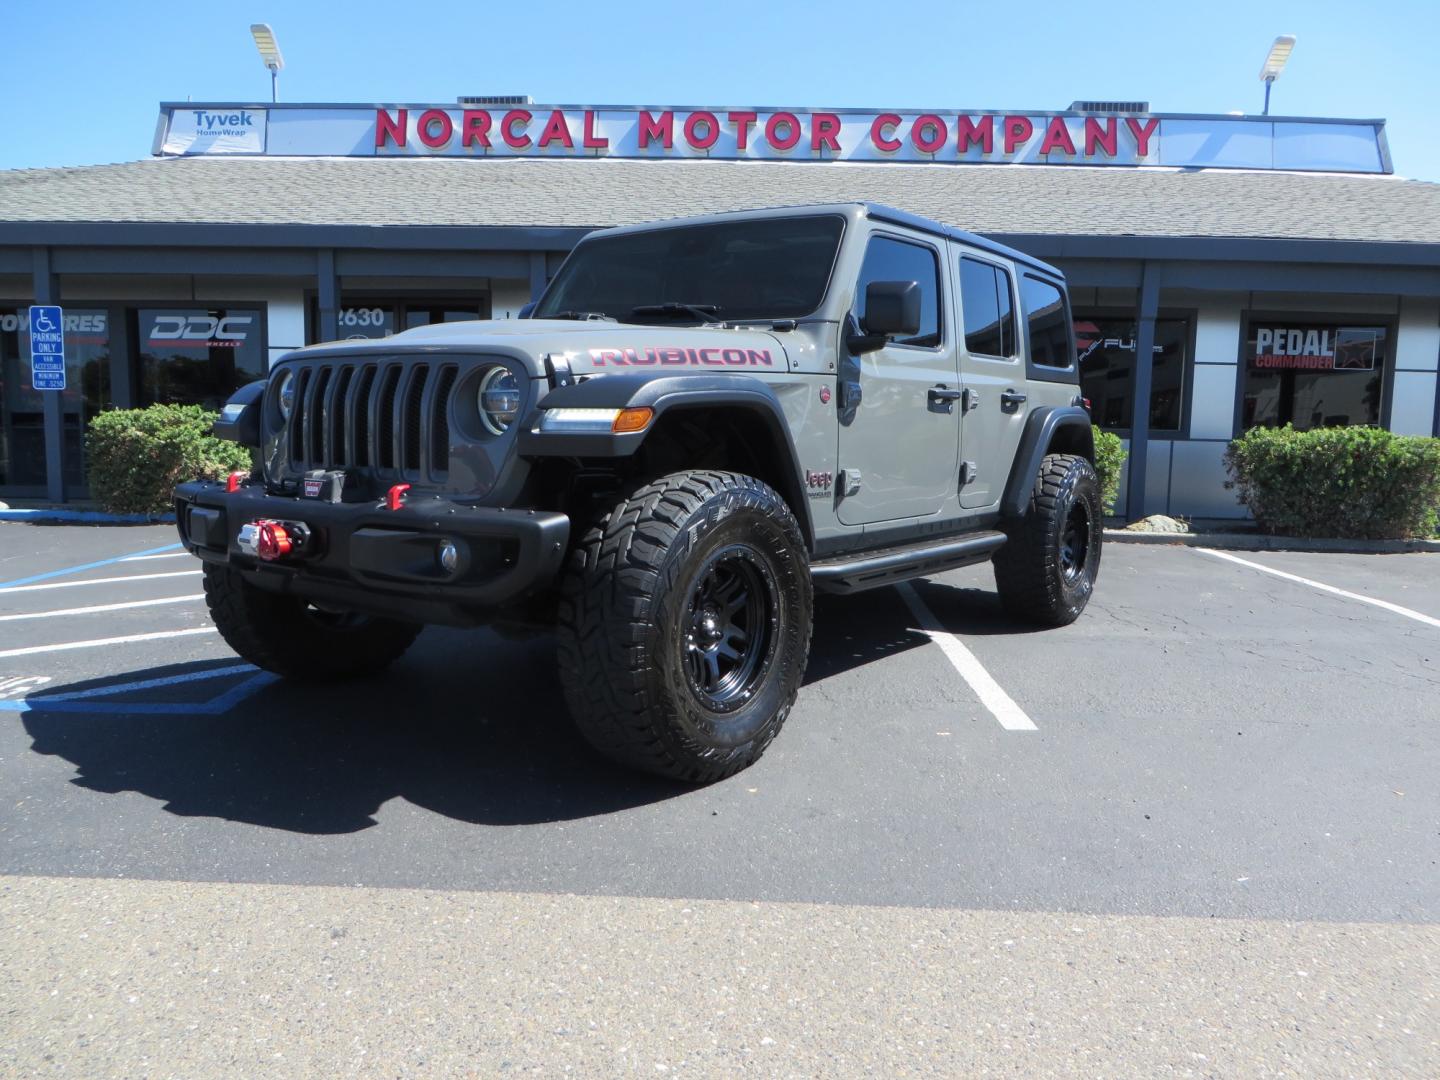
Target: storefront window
pixel 1312 374
pixel 1106 346
pixel 199 356
pixel 362 318
pixel 22 407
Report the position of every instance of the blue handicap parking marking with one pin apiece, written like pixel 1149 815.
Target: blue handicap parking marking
pixel 85 566
pixel 98 700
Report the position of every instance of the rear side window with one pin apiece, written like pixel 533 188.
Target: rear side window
pixel 1049 328
pixel 896 260
pixel 985 302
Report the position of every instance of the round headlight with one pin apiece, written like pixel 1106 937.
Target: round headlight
pixel 499 399
pixel 285 396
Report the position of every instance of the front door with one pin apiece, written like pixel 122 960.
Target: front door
pixel 902 444
pixel 994 374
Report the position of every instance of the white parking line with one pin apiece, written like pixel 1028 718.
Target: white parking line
pixel 166 555
pixel 92 609
pixel 991 694
pixel 1396 608
pixel 31 650
pixel 96 581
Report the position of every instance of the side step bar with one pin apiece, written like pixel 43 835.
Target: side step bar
pixel 872 569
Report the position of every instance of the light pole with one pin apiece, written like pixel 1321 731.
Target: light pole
pixel 270 54
pixel 1274 64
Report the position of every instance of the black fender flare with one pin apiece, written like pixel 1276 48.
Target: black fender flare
pixel 665 393
pixel 1042 426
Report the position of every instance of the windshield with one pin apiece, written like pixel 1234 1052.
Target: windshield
pixel 766 269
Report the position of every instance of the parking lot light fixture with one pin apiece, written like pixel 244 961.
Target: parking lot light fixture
pixel 269 53
pixel 1274 64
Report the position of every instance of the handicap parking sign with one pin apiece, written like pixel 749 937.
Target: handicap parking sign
pixel 47 347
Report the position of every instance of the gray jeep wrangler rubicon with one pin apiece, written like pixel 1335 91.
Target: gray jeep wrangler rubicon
pixel 699 423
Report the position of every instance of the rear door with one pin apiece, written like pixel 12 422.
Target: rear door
pixel 993 373
pixel 903 443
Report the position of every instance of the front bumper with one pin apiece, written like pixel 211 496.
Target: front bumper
pixel 363 557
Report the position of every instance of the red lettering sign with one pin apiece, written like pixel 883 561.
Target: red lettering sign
pixel 521 117
pixel 878 135
pixel 701 140
pixel 1017 130
pixel 475 128
pixel 1095 138
pixel 435 128
pixel 556 130
pixel 1057 137
pixel 825 132
pixel 662 128
pixel 1142 133
pixel 742 122
pixel 928 133
pixel 791 131
pixel 968 133
pixel 591 140
pixel 386 128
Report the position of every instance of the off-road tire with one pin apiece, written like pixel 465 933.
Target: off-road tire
pixel 288 636
pixel 1046 571
pixel 630 662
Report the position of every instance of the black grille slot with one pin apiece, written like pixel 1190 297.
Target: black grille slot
pixel 385 419
pixel 440 421
pixel 336 454
pixel 360 413
pixel 414 418
pixel 315 418
pixel 297 418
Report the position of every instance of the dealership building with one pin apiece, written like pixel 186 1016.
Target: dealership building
pixel 1225 271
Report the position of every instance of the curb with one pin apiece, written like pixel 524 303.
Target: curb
pixel 83 517
pixel 1262 542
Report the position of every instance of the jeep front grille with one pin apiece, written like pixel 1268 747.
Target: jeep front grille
pixel 388 417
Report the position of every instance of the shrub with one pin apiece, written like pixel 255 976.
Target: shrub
pixel 1109 459
pixel 1353 482
pixel 137 456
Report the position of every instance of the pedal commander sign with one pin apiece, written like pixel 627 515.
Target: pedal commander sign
pixel 1315 348
pixel 734 133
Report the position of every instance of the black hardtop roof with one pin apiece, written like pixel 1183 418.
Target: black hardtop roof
pixel 881 212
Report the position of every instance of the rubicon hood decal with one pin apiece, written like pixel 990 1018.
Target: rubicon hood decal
pixel 677 356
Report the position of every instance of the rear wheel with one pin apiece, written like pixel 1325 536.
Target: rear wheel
pixel 1046 571
pixel 291 637
pixel 684 630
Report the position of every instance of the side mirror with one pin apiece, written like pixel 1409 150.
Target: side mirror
pixel 239 420
pixel 526 309
pixel 892 309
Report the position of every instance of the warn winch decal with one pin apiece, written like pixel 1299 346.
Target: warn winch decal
pixel 674 357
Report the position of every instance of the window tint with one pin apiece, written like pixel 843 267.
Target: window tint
pixel 1045 313
pixel 895 260
pixel 762 268
pixel 989 316
pixel 1106 348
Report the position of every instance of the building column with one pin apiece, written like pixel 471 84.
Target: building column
pixel 46 290
pixel 328 291
pixel 538 278
pixel 1135 508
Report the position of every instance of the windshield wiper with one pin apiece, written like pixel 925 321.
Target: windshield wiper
pixel 707 313
pixel 581 316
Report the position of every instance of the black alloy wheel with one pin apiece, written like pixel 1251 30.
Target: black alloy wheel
pixel 730 641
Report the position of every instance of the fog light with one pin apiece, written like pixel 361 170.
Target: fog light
pixel 448 556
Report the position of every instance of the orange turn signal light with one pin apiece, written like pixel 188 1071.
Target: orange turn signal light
pixel 632 420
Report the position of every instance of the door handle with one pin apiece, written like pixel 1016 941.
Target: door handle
pixel 940 394
pixel 1011 400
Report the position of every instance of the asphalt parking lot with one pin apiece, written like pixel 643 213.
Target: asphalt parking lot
pixel 1211 740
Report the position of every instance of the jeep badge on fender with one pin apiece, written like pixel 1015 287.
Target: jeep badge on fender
pixel 649 464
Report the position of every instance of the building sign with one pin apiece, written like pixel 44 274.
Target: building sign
pixel 228 129
pixel 1315 348
pixel 771 134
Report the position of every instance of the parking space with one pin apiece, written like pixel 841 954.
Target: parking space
pixel 1208 739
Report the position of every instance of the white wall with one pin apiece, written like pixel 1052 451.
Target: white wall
pixel 1417 358
pixel 507 297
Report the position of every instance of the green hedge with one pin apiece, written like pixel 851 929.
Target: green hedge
pixel 1353 482
pixel 137 456
pixel 1109 460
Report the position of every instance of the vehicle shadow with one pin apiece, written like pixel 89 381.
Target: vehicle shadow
pixel 466 725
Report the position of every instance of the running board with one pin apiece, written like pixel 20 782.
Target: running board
pixel 872 569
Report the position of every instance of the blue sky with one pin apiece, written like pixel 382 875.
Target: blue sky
pixel 81 80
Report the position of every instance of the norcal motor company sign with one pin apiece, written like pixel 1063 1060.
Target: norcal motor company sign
pixel 736 133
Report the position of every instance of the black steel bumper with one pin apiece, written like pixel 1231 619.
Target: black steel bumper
pixel 364 557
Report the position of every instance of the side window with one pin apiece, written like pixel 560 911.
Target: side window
pixel 896 260
pixel 985 302
pixel 1048 325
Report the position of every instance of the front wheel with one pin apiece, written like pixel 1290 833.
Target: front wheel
pixel 1046 571
pixel 293 638
pixel 684 628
